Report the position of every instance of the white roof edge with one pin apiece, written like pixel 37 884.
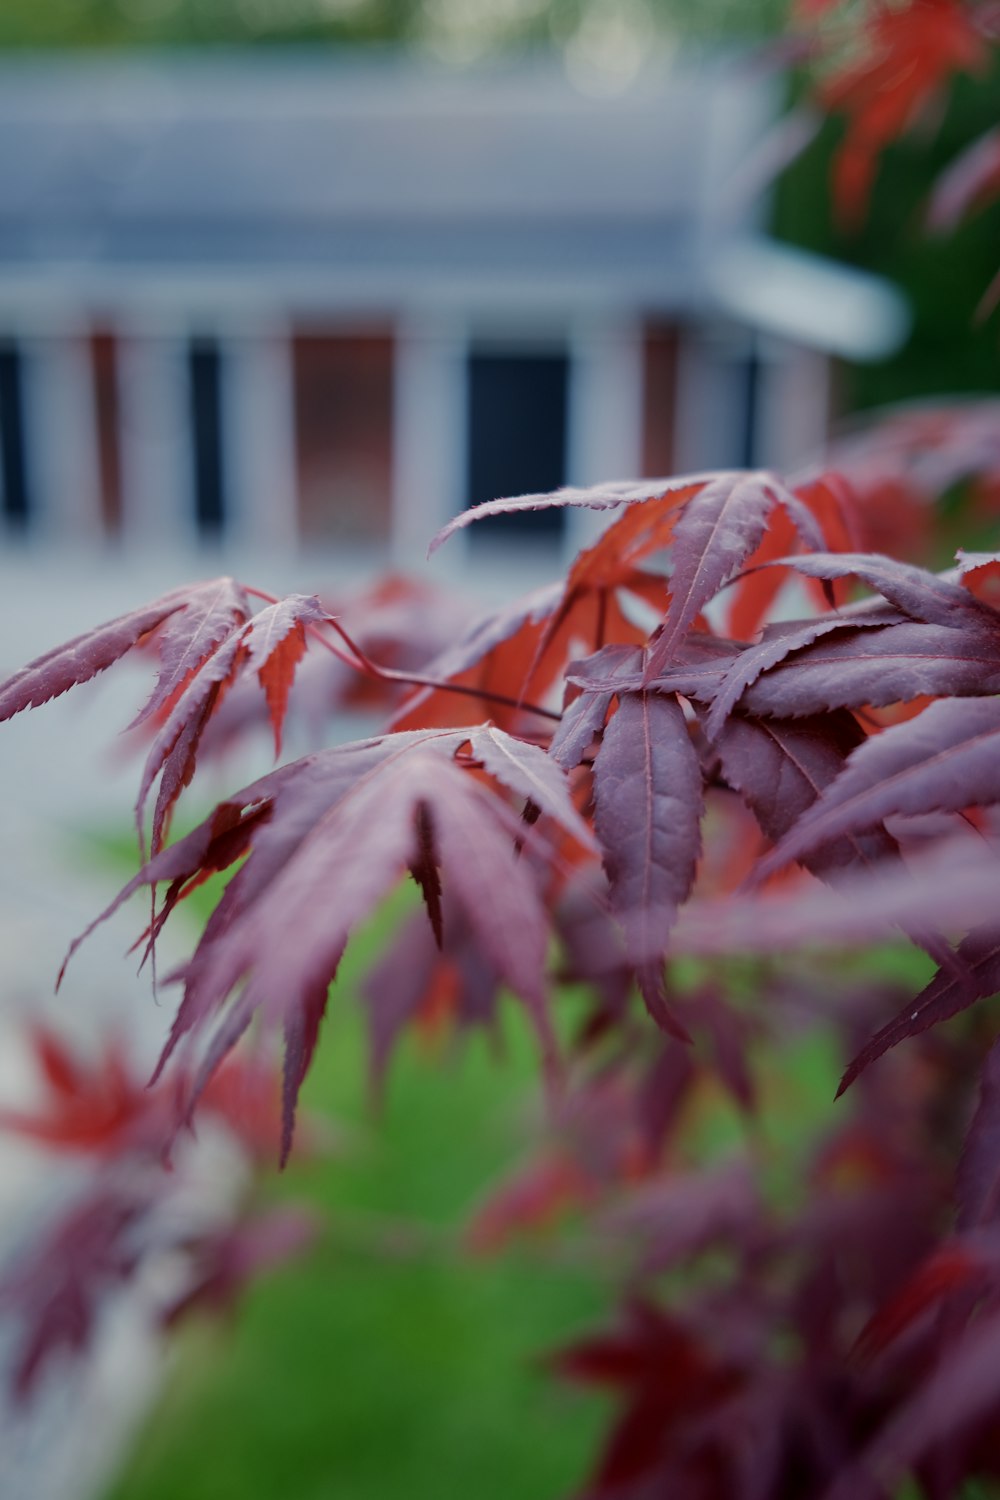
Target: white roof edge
pixel 808 299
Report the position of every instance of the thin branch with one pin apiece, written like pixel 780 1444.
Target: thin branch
pixel 363 663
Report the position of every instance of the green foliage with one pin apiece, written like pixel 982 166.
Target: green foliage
pixel 460 30
pixel 943 276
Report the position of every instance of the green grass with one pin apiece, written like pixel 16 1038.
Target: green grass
pixel 378 1367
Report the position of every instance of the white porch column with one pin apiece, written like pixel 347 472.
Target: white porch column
pixel 258 426
pixel 794 405
pixel 155 433
pixel 711 398
pixel 604 436
pixel 430 433
pixel 60 435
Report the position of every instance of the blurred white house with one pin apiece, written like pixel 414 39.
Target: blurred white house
pixel 299 301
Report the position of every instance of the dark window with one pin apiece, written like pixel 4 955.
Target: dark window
pixel 517 439
pixel 13 461
pixel 205 369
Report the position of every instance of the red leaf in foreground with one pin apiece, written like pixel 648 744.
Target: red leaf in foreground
pixel 190 636
pixel 83 657
pixel 327 838
pixel 876 667
pixel 777 643
pixel 275 642
pixel 598 497
pixel 717 530
pixel 946 759
pixel 979 572
pixel 925 596
pixel 648 797
pixel 780 768
pixel 173 753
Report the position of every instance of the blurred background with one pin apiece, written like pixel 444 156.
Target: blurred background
pixel 284 286
pixel 321 295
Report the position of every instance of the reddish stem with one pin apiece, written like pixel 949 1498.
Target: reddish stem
pixel 363 663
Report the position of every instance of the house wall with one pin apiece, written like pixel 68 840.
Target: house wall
pixel 300 433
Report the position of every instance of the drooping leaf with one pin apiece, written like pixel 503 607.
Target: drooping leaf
pixel 598 497
pixel 325 839
pixel 580 722
pixel 174 750
pixel 272 643
pixel 947 995
pixel 80 659
pixel 777 643
pixel 717 530
pixel 928 597
pixel 190 636
pixel 781 767
pixel 877 667
pixel 942 761
pixel 648 804
pixel 275 643
pixel 288 947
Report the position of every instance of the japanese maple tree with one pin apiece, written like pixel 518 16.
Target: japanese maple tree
pixel 736 726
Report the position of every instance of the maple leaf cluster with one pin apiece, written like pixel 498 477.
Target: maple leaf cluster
pixel 727 731
pixel 758 717
pixel 196 1227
